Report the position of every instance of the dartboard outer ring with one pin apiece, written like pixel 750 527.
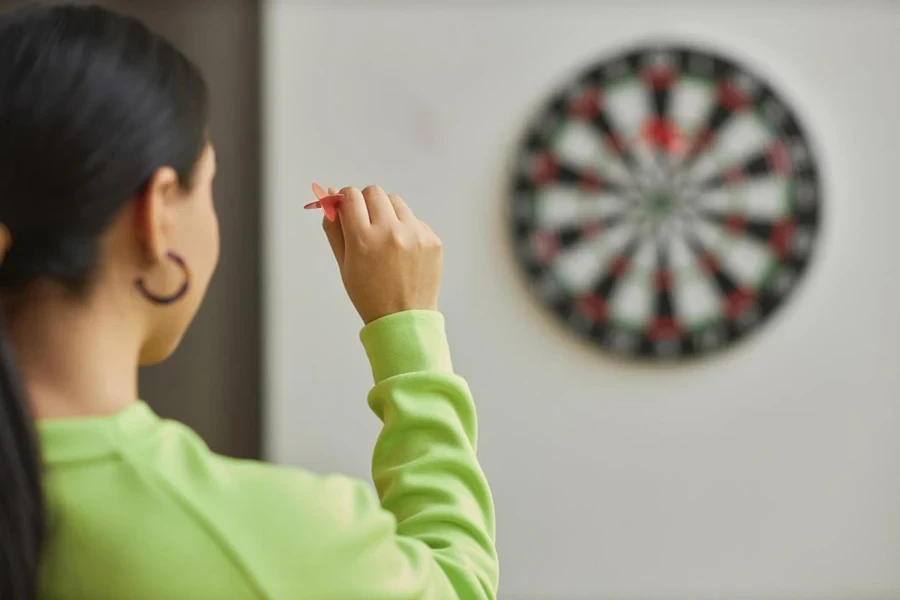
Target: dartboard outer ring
pixel 741 308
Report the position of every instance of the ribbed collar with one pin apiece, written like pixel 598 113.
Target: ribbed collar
pixel 72 440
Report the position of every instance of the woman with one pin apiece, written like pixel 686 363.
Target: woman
pixel 108 239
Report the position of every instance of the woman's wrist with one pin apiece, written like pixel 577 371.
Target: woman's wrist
pixel 411 341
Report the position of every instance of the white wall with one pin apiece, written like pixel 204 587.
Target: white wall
pixel 770 472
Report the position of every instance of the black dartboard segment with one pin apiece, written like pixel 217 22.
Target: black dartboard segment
pixel 665 204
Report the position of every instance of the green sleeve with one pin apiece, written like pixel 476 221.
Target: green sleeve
pixel 424 465
pixel 430 532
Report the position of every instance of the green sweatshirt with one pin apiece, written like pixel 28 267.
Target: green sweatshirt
pixel 140 508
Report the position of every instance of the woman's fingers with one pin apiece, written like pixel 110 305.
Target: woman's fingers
pixel 381 211
pixel 402 211
pixel 363 214
pixel 335 235
pixel 353 212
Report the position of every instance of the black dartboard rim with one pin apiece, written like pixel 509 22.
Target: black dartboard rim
pixel 743 307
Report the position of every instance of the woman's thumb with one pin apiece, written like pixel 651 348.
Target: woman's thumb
pixel 335 236
pixel 335 233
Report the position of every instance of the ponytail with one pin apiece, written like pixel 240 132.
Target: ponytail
pixel 22 517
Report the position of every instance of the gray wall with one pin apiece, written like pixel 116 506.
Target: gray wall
pixel 770 472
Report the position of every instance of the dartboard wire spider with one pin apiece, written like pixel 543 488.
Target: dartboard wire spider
pixel 670 165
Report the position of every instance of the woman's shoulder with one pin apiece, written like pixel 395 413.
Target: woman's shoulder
pixel 280 497
pixel 272 519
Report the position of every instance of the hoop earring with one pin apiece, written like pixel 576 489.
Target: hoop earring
pixel 178 295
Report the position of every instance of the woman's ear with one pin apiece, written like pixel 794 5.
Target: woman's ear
pixel 154 213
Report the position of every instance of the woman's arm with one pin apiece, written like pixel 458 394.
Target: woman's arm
pixel 431 535
pixel 430 532
pixel 424 465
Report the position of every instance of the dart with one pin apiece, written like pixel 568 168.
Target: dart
pixel 327 202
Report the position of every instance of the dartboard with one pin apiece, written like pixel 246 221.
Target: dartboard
pixel 665 203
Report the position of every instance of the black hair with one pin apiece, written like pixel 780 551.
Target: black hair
pixel 92 104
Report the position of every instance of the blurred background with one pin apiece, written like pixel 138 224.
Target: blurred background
pixel 217 368
pixel 769 471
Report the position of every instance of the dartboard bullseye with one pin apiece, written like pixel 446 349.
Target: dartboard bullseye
pixel 665 203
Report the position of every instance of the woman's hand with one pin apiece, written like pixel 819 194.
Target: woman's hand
pixel 390 261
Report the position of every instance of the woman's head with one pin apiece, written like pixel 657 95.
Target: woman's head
pixel 105 165
pixel 105 188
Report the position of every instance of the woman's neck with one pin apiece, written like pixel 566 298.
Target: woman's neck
pixel 75 359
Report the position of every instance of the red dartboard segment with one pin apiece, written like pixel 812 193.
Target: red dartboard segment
pixel 615 143
pixel 738 301
pixel 708 262
pixel 735 224
pixel 664 135
pixel 649 169
pixel 544 169
pixel 591 181
pixel 592 228
pixel 620 266
pixel 780 158
pixel 703 140
pixel 663 280
pixel 660 78
pixel 665 328
pixel 594 307
pixel 782 236
pixel 734 176
pixel 731 98
pixel 587 106
pixel 546 246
